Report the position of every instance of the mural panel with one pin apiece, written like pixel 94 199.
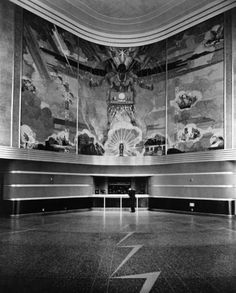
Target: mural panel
pixel 195 88
pixel 123 90
pixel 49 87
pixel 99 100
pixel 6 65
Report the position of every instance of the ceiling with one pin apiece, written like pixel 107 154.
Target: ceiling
pixel 126 22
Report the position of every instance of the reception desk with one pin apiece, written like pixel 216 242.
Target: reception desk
pixel 120 201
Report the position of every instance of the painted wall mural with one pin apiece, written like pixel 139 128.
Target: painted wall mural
pixel 6 65
pixel 49 88
pixel 195 88
pixel 122 99
pixel 91 99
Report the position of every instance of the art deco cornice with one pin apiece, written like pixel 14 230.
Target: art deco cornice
pixel 126 23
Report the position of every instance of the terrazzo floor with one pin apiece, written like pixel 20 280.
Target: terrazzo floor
pixel 117 251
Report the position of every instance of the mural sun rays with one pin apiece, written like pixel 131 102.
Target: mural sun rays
pixel 127 135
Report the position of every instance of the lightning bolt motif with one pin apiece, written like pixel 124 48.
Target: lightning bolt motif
pixel 148 284
pixel 132 252
pixel 150 277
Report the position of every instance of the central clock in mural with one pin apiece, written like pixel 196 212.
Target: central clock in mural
pixel 121 96
pixel 123 133
pixel 120 107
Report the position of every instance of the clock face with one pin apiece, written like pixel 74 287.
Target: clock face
pixel 121 96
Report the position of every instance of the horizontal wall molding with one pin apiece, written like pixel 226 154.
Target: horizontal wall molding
pixel 195 173
pixel 48 197
pixel 46 156
pixel 79 196
pixel 118 175
pixel 47 185
pixel 194 198
pixel 195 186
pixel 117 32
pixel 119 195
pixel 79 174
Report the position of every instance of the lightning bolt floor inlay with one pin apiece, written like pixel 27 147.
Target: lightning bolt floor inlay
pixel 150 277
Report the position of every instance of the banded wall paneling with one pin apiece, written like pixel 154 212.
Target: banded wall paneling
pixel 31 186
pixel 36 187
pixel 205 187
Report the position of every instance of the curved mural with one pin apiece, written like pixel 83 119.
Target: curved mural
pixel 195 87
pixel 91 99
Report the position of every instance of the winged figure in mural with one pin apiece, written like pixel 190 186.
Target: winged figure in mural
pixel 121 68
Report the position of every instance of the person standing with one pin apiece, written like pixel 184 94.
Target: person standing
pixel 131 193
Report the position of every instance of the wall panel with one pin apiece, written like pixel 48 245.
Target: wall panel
pixel 176 191
pixel 25 192
pixel 223 207
pixel 34 177
pixel 38 187
pixel 6 70
pixel 198 187
pixel 193 179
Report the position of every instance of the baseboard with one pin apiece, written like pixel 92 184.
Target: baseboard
pixel 209 206
pixel 20 207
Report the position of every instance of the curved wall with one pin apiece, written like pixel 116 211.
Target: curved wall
pixel 34 184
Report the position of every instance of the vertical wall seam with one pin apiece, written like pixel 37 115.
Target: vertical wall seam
pixel 224 86
pixel 13 76
pixel 20 80
pixel 78 91
pixel 232 72
pixel 166 96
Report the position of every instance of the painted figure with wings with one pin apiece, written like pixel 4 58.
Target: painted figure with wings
pixel 122 72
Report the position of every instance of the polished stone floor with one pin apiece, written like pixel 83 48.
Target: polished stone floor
pixel 94 251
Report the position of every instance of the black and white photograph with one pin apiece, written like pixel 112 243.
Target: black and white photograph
pixel 117 146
